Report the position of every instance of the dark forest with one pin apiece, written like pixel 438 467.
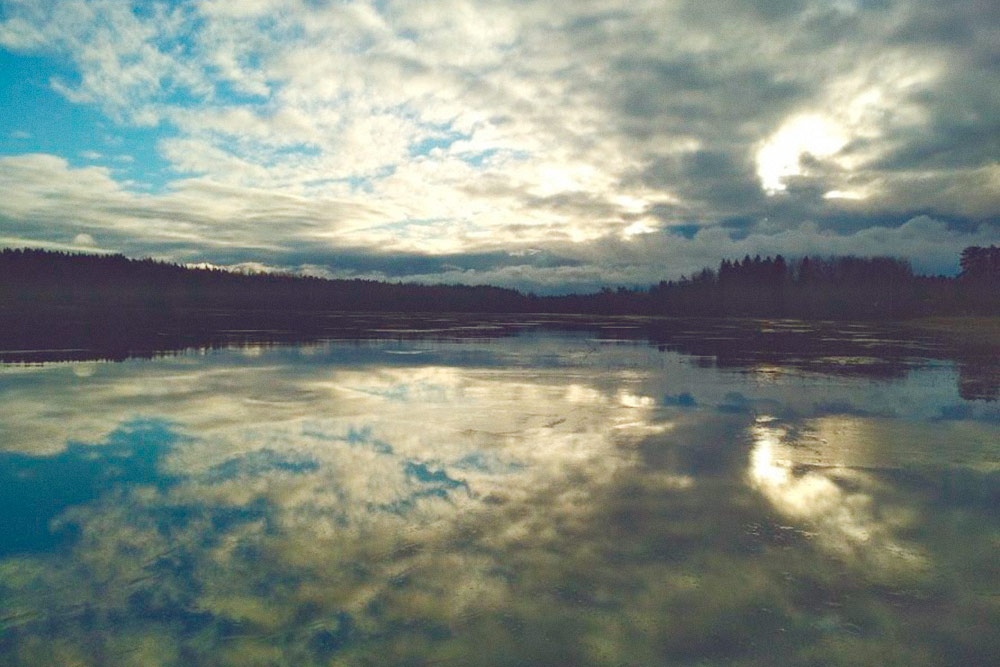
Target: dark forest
pixel 880 288
pixel 59 306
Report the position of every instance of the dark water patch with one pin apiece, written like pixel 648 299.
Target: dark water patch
pixel 681 400
pixel 844 407
pixel 334 634
pixel 949 486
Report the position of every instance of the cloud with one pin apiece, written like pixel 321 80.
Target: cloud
pixel 471 127
pixel 53 204
pixel 49 199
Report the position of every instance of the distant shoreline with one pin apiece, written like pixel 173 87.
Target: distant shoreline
pixel 36 284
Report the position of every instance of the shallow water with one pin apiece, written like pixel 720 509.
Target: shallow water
pixel 556 497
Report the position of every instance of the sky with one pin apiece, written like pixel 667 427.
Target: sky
pixel 548 146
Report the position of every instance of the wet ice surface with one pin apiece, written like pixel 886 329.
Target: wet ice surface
pixel 553 496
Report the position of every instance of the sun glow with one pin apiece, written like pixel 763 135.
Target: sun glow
pixel 638 227
pixel 780 156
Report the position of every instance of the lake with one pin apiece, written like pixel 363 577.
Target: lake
pixel 547 491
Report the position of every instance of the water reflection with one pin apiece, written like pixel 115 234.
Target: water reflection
pixel 538 500
pixel 766 348
pixel 832 504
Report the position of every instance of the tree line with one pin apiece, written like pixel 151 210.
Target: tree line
pixel 31 276
pixel 844 287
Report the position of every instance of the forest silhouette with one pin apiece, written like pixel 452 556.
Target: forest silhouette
pixel 847 287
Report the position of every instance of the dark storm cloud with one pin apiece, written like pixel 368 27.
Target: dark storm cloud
pixel 703 93
pixel 711 183
pixel 955 138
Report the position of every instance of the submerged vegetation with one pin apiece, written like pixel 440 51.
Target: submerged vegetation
pixel 810 287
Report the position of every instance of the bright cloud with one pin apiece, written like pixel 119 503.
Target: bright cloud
pixel 781 156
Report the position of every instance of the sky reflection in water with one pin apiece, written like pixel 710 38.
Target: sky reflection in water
pixel 542 499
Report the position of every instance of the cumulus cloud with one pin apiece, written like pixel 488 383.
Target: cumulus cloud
pixel 470 127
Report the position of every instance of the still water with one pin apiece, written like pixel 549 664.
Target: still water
pixel 541 497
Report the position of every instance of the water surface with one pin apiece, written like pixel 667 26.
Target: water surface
pixel 536 495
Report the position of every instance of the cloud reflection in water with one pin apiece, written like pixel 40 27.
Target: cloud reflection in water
pixel 833 503
pixel 626 507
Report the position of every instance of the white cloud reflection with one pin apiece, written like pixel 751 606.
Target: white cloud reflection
pixel 835 504
pixel 414 501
